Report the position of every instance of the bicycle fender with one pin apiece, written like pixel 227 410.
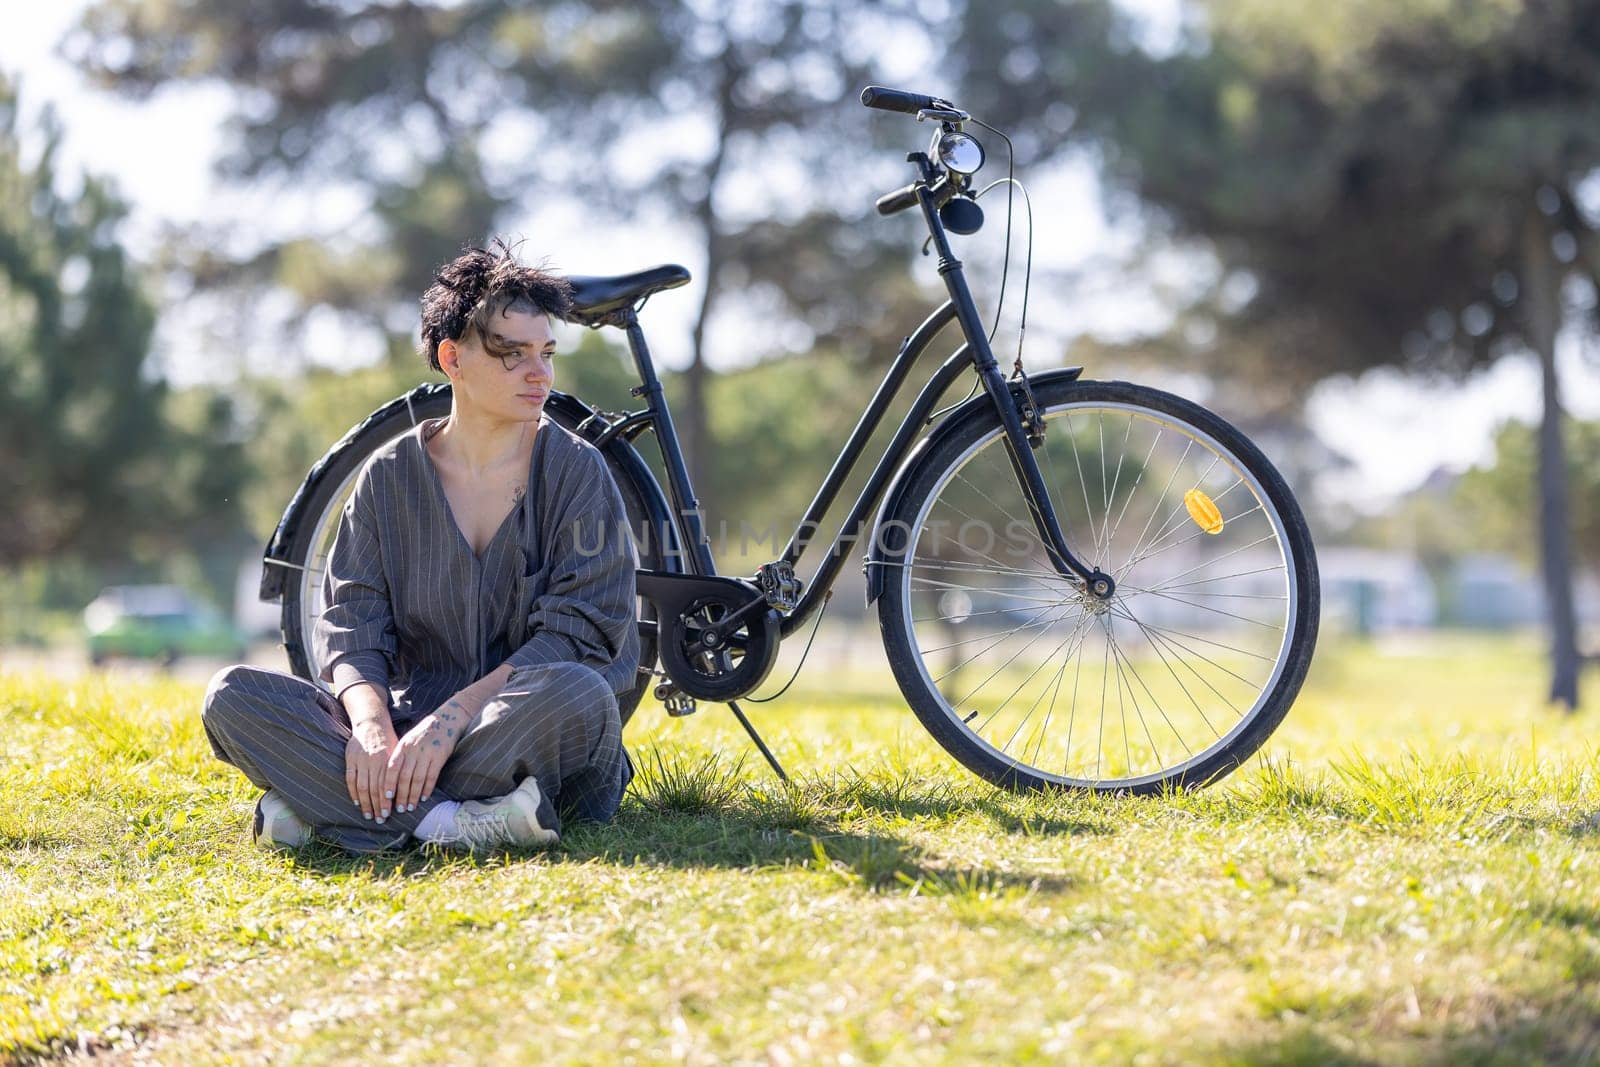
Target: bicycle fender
pixel 273 573
pixel 977 407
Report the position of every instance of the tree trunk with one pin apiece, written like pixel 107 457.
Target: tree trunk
pixel 1542 304
pixel 696 419
pixel 696 422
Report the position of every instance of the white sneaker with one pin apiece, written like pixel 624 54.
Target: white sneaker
pixel 523 818
pixel 276 825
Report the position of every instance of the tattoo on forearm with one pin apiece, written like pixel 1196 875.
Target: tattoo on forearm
pixel 455 717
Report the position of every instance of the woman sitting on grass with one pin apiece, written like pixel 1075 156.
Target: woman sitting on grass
pixel 475 653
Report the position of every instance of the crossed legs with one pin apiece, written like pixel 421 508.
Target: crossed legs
pixel 558 723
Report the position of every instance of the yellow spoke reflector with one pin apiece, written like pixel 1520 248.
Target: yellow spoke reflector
pixel 1203 511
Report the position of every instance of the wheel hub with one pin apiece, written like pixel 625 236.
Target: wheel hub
pixel 1092 604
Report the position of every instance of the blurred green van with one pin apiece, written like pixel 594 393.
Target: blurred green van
pixel 158 622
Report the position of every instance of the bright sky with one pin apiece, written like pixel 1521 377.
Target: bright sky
pixel 159 153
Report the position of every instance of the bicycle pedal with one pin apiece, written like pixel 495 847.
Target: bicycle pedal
pixel 779 585
pixel 677 703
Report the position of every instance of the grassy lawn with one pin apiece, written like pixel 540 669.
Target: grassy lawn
pixel 1406 874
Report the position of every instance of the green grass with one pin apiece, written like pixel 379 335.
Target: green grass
pixel 1405 875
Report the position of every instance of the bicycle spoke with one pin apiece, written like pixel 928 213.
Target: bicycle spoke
pixel 1055 691
pixel 1013 594
pixel 1130 589
pixel 1000 707
pixel 1174 647
pixel 1155 703
pixel 1226 555
pixel 1121 658
pixel 1204 640
pixel 1219 611
pixel 1176 514
pixel 971 518
pixel 1215 578
pixel 1002 636
pixel 1122 705
pixel 996 672
pixel 1023 684
pixel 1156 648
pixel 1077 676
pixel 1134 489
pixel 1175 522
pixel 1064 512
pixel 1105 501
pixel 1116 478
pixel 953 565
pixel 1192 538
pixel 1100 745
pixel 1156 507
pixel 1083 483
pixel 989 648
pixel 961 618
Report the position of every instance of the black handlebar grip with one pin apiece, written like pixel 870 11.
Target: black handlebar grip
pixel 895 100
pixel 898 200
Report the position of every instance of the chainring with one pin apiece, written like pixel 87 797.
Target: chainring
pixel 709 664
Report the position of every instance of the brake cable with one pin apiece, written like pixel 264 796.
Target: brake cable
pixel 826 596
pixel 1011 183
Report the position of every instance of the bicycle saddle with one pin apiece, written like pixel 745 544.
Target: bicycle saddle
pixel 593 298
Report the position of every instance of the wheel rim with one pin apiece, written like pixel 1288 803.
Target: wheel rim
pixel 323 529
pixel 1153 683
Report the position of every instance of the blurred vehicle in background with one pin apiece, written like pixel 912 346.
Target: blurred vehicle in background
pixel 157 622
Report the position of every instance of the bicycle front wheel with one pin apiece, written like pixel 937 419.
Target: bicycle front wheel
pixel 1034 684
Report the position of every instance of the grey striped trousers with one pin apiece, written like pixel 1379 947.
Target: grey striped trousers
pixel 557 722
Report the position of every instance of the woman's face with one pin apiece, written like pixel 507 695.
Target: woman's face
pixel 506 374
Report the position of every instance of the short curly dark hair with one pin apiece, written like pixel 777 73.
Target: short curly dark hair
pixel 483 282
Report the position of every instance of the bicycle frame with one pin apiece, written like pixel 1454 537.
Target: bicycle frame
pixel 974 353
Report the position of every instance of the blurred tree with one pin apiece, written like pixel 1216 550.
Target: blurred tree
pixel 1493 499
pixel 444 117
pixel 1382 183
pixel 97 460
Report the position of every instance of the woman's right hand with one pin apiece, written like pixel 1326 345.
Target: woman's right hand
pixel 366 757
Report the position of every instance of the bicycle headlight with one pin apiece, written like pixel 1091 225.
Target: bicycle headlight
pixel 959 152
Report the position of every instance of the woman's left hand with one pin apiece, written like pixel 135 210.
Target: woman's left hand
pixel 415 763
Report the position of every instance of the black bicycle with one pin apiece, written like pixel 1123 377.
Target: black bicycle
pixel 1080 584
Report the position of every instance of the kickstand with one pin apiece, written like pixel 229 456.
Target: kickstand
pixel 762 745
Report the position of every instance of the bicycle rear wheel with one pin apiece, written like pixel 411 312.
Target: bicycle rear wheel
pixel 1033 684
pixel 313 540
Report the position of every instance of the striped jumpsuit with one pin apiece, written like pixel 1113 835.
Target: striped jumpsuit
pixel 412 610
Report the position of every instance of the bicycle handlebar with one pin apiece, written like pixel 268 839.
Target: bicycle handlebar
pixel 899 200
pixel 897 100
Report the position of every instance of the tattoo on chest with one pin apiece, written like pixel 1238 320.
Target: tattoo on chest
pixel 516 494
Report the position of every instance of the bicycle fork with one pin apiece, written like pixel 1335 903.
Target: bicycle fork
pixel 1018 447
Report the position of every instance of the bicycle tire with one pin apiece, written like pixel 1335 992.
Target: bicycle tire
pixel 944 473
pixel 326 501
